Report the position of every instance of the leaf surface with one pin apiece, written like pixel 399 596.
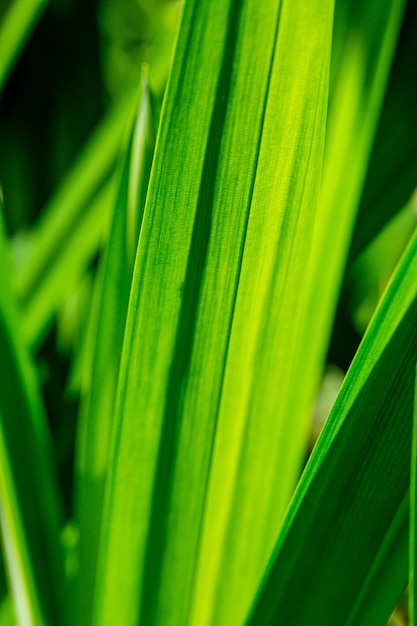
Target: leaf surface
pixel 363 49
pixel 30 507
pixel 347 522
pixel 225 237
pixel 98 406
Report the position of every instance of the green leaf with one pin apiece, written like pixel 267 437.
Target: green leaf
pixel 343 543
pixel 265 364
pixel 52 258
pixel 227 227
pixel 364 44
pixel 30 511
pixel 392 172
pixel 98 407
pixel 15 27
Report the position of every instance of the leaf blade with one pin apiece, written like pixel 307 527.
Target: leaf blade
pixel 96 413
pixel 182 300
pixel 352 494
pixel 70 229
pixel 30 506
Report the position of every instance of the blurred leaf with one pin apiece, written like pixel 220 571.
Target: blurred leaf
pixel 326 396
pixel 226 228
pixel 344 540
pixel 98 407
pixel 30 511
pixel 16 25
pixel 364 41
pixel 72 316
pixel 373 268
pixel 392 172
pixel 53 257
pixel 134 33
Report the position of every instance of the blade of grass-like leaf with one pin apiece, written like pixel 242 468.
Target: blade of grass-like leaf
pixel 18 22
pixel 413 495
pixel 68 234
pixel 30 511
pixel 71 257
pixel 361 70
pixel 364 45
pixel 97 411
pixel 392 172
pixel 357 100
pixel 387 576
pixel 245 497
pixel 243 118
pixel 348 512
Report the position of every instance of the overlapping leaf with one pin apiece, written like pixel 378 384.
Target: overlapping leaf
pixel 348 522
pixel 392 171
pixel 115 280
pixel 29 503
pixel 227 224
pixel 52 258
pixel 364 46
pixel 363 54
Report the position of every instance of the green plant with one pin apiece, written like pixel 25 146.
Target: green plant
pixel 193 268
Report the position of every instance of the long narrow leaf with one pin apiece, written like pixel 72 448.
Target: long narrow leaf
pixel 30 511
pixel 356 99
pixel 97 411
pixel 70 230
pixel 350 510
pixel 247 498
pixel 369 32
pixel 243 120
pixel 15 27
pixel 392 172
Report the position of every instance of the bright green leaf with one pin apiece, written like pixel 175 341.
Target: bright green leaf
pixel 365 39
pixel 226 228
